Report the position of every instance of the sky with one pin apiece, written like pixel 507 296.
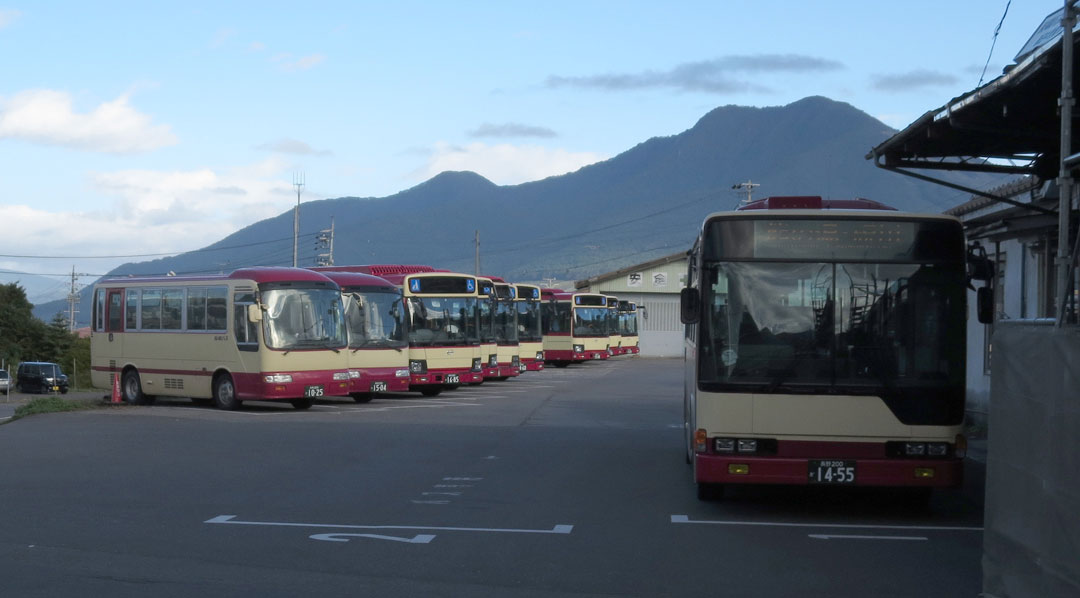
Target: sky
pixel 133 130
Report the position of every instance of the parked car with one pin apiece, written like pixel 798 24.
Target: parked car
pixel 5 381
pixel 40 376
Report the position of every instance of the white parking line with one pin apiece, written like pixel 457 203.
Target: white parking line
pixel 940 528
pixel 557 529
pixel 843 537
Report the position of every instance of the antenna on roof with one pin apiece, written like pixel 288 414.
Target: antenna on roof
pixel 749 187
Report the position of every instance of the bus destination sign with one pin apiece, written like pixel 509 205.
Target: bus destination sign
pixel 836 239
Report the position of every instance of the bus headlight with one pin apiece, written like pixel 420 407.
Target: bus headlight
pixel 418 366
pixel 724 445
pixel 476 367
pixel 342 375
pixel 539 355
pixel 493 361
pixel 402 373
pixel 579 348
pixel 914 449
pixel 937 449
pixel 354 374
pixel 278 379
pixel 747 445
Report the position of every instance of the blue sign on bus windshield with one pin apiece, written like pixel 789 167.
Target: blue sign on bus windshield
pixel 470 285
pixel 513 293
pixel 414 285
pixel 536 293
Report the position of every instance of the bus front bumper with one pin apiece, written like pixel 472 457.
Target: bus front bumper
pixel 379 380
pixel 734 469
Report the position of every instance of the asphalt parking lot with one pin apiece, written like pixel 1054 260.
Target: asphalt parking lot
pixel 569 482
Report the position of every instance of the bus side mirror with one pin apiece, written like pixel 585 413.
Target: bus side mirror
pixel 689 306
pixel 254 313
pixel 984 305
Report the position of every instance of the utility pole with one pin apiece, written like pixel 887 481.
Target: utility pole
pixel 325 240
pixel 476 262
pixel 749 187
pixel 1065 182
pixel 298 182
pixel 73 298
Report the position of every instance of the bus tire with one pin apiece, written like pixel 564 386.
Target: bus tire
pixel 709 492
pixel 361 397
pixel 431 391
pixel 451 386
pixel 301 404
pixel 131 387
pixel 225 393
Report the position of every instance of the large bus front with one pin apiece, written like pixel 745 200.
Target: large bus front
pixel 442 328
pixel 506 331
pixel 378 347
pixel 829 350
pixel 614 333
pixel 628 327
pixel 488 349
pixel 530 333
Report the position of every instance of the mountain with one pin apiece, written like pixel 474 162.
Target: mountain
pixel 39 289
pixel 641 204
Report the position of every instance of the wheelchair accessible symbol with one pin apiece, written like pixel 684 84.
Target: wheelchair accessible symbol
pixel 470 286
pixel 414 285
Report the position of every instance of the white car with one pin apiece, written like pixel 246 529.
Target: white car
pixel 5 381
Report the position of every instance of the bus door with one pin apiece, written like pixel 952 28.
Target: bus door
pixel 110 345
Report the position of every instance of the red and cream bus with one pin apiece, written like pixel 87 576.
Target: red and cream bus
pixel 258 334
pixel 574 326
pixel 614 333
pixel 378 346
pixel 825 344
pixel 628 327
pixel 530 331
pixel 506 331
pixel 488 350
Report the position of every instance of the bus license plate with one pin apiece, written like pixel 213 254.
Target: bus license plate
pixel 453 379
pixel 596 356
pixel 313 391
pixel 378 387
pixel 832 472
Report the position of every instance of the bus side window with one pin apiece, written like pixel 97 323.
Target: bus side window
pixel 246 332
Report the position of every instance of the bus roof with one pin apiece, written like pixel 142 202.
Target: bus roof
pixel 258 274
pixel 813 202
pixel 380 269
pixel 348 280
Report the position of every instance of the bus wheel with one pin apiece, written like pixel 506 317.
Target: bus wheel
pixel 301 404
pixel 431 391
pixel 361 397
pixel 710 491
pixel 451 386
pixel 225 393
pixel 132 389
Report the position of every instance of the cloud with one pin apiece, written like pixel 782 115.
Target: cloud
pixel 8 17
pixel 47 117
pixel 292 146
pixel 286 63
pixel 913 80
pixel 505 164
pixel 511 130
pixel 713 76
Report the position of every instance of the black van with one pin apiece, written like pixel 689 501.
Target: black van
pixel 40 376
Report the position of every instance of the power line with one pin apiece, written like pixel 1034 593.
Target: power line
pixel 166 254
pixel 997 30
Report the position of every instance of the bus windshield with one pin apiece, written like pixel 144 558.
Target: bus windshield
pixel 628 324
pixel 303 319
pixel 486 306
pixel 442 321
pixel 591 321
pixel 506 330
pixel 375 319
pixel 832 327
pixel 529 321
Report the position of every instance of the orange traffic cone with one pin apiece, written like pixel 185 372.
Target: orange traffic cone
pixel 116 389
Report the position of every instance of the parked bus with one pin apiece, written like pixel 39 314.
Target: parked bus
pixel 825 344
pixel 574 326
pixel 440 322
pixel 257 334
pixel 506 331
pixel 488 350
pixel 628 327
pixel 530 331
pixel 614 334
pixel 378 346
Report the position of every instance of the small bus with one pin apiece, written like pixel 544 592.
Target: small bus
pixel 257 334
pixel 530 331
pixel 825 345
pixel 628 327
pixel 506 331
pixel 378 346
pixel 574 326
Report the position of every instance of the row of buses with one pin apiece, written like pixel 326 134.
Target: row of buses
pixel 298 334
